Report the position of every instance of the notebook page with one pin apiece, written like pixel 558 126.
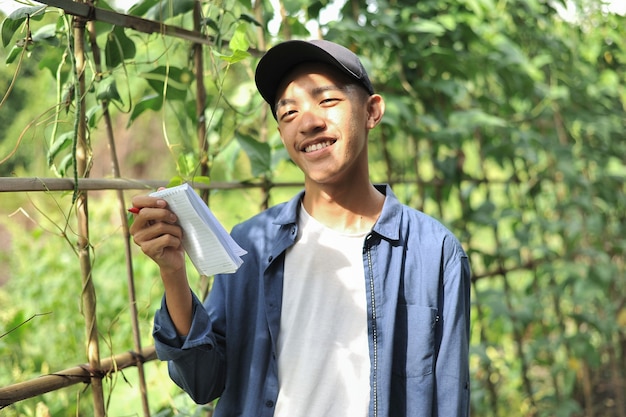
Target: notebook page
pixel 206 250
pixel 211 221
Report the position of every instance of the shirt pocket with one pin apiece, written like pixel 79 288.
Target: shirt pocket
pixel 414 340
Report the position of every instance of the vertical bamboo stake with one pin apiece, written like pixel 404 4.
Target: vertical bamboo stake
pixel 203 143
pixel 125 230
pixel 258 14
pixel 198 60
pixel 82 214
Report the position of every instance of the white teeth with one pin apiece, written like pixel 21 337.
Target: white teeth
pixel 317 146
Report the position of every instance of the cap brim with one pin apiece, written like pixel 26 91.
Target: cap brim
pixel 281 59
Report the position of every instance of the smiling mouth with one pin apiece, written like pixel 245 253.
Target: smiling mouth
pixel 317 146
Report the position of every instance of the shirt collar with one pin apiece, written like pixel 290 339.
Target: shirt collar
pixel 387 226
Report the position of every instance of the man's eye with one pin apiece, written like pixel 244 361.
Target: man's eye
pixel 330 101
pixel 287 113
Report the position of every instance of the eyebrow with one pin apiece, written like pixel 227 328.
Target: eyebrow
pixel 317 91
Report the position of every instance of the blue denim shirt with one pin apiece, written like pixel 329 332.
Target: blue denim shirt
pixel 417 282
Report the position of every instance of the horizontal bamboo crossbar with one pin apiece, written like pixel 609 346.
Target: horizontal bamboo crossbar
pixel 52 382
pixel 139 24
pixel 14 184
pixel 11 184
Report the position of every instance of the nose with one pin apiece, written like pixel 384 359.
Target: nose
pixel 312 121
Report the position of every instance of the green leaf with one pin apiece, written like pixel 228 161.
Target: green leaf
pixel 91 115
pixel 314 8
pixel 430 26
pixel 118 47
pixel 234 58
pixel 13 54
pixel 202 179
pixel 164 10
pixel 211 23
pixel 34 12
pixel 187 163
pixel 473 118
pixel 47 34
pixel 238 41
pixel 107 91
pixel 9 28
pixel 172 81
pixel 297 28
pixel 100 27
pixel 11 24
pixel 62 142
pixel 141 8
pixel 485 214
pixel 258 152
pixel 250 19
pixel 174 181
pixel 292 7
pixel 15 327
pixel 65 164
pixel 52 59
pixel 153 102
pixel 238 45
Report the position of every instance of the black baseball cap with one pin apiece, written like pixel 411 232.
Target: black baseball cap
pixel 280 59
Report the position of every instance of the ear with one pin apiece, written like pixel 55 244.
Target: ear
pixel 375 110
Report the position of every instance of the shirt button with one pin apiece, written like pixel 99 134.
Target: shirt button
pixel 270 259
pixel 269 403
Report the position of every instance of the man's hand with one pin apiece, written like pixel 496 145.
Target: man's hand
pixel 155 231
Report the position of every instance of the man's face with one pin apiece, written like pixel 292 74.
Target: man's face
pixel 324 122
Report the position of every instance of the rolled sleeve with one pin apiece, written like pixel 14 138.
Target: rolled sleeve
pixel 169 344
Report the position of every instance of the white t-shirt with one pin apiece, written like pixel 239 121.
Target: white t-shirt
pixel 323 353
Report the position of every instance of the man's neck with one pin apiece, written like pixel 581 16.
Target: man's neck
pixel 349 209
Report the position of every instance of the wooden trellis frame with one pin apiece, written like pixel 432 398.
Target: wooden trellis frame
pixel 85 373
pixel 85 14
pixel 65 378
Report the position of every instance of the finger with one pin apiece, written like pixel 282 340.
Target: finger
pixel 166 251
pixel 143 201
pixel 157 246
pixel 154 231
pixel 148 217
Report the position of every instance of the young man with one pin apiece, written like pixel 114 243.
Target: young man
pixel 348 303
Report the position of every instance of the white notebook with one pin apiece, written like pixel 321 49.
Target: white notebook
pixel 209 246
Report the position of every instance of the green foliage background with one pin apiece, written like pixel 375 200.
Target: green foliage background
pixel 504 120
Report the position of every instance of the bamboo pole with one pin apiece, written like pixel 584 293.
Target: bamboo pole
pixel 83 246
pixel 263 129
pixel 201 123
pixel 71 376
pixel 130 277
pixel 14 185
pixel 89 12
pixel 198 60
